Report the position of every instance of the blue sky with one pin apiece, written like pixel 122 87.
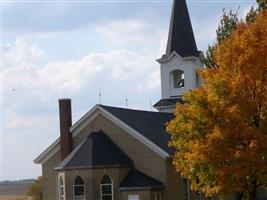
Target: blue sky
pixel 64 49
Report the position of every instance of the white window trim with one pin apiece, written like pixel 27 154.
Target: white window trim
pixel 106 184
pixel 61 188
pixel 73 189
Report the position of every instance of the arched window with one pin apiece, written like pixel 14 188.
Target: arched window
pixel 106 188
pixel 78 189
pixel 61 189
pixel 177 77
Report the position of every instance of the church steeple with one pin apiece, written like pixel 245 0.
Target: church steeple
pixel 181 37
pixel 182 59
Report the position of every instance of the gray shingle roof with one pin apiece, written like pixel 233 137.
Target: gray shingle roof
pixel 136 179
pixel 181 37
pixel 168 102
pixel 152 125
pixel 97 150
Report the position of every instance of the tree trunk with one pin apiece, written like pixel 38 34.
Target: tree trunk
pixel 252 193
pixel 238 196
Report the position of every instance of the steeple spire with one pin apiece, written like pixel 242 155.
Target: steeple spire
pixel 178 75
pixel 181 37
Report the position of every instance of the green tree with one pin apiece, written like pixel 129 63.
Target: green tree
pixel 35 190
pixel 262 4
pixel 227 25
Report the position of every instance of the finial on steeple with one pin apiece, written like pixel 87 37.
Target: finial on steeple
pixel 181 37
pixel 126 100
pixel 100 95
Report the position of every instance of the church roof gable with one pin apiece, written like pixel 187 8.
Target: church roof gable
pixel 151 125
pixel 96 150
pixel 146 126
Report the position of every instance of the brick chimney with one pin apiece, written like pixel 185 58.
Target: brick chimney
pixel 65 124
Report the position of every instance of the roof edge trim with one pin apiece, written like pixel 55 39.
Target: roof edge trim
pixel 135 134
pixel 140 188
pixel 95 167
pixel 43 157
pixel 166 58
pixel 84 117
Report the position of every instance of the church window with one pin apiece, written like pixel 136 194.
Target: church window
pixel 106 188
pixel 78 189
pixel 133 197
pixel 178 78
pixel 61 189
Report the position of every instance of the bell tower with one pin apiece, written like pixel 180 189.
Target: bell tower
pixel 179 64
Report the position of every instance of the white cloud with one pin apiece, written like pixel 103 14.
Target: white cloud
pixel 31 88
pixel 32 83
pixel 153 80
pixel 163 44
pixel 126 31
pixel 69 75
pixel 15 122
pixel 20 53
pixel 57 77
pixel 205 31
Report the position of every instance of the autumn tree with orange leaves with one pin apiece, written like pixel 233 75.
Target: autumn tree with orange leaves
pixel 220 132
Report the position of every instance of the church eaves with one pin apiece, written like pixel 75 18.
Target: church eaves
pixel 181 37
